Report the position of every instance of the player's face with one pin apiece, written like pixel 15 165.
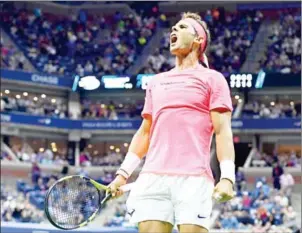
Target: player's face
pixel 181 38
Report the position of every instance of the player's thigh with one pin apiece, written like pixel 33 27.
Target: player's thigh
pixel 193 196
pixel 155 227
pixel 150 200
pixel 190 228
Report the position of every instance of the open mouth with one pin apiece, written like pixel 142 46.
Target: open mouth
pixel 173 38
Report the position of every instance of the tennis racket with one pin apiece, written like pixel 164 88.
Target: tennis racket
pixel 74 201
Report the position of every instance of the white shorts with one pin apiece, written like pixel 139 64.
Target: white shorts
pixel 174 199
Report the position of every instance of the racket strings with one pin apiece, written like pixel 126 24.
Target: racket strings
pixel 72 201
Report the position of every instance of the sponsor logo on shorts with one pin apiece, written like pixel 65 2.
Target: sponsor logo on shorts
pixel 199 216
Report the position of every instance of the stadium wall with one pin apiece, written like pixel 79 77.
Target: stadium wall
pixel 44 228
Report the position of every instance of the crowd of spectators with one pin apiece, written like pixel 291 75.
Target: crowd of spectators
pixel 10 57
pixel 110 110
pixel 284 52
pixel 232 35
pixel 57 156
pixel 24 153
pixel 62 45
pixel 284 159
pixel 41 157
pixel 114 110
pixel 26 202
pixel 257 109
pixel 56 108
pixel 109 159
pixel 263 209
pixel 17 207
pixel 34 106
pixel 120 217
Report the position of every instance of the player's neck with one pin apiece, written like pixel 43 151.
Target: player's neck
pixel 187 62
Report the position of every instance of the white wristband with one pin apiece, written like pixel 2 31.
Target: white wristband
pixel 227 168
pixel 130 163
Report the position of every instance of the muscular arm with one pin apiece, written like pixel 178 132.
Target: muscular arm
pixel 224 136
pixel 226 154
pixel 137 150
pixel 140 141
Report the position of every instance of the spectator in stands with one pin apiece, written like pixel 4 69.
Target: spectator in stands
pixel 293 160
pixel 228 50
pixel 283 54
pixel 246 201
pixel 240 180
pixel 3 103
pixel 264 111
pixel 229 222
pixel 287 182
pixel 290 214
pixel 277 172
pixel 48 157
pixel 35 173
pixel 65 168
pixel 50 40
pixel 85 158
pixel 40 185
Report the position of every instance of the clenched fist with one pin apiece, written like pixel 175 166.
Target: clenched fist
pixel 223 191
pixel 114 186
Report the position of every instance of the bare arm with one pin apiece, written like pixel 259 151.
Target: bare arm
pixel 137 150
pixel 226 154
pixel 140 141
pixel 224 136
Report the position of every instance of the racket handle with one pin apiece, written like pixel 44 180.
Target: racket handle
pixel 126 187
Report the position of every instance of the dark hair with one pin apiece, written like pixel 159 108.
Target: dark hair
pixel 197 17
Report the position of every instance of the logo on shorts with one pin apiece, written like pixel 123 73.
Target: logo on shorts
pixel 131 213
pixel 200 216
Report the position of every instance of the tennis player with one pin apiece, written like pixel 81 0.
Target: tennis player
pixel 183 108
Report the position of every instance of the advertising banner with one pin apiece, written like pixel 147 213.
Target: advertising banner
pixel 46 79
pixel 252 124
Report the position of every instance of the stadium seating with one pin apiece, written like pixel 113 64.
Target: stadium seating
pixel 33 105
pixel 260 208
pixel 232 35
pixel 257 109
pixel 286 160
pixel 10 58
pixel 87 44
pixel 17 207
pixel 110 110
pixel 26 203
pixel 49 156
pixel 284 51
pixel 62 45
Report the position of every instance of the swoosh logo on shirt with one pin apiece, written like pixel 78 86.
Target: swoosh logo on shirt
pixel 131 213
pixel 200 216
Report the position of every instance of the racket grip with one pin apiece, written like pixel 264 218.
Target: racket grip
pixel 126 187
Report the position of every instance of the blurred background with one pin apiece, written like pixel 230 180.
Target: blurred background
pixel 73 76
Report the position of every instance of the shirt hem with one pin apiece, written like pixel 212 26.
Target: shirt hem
pixel 179 174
